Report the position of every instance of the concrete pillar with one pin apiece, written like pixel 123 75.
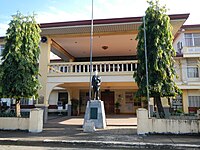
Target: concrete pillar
pixel 45 112
pixel 74 94
pixel 69 110
pixel 69 96
pixel 69 106
pixel 185 101
pixel 44 60
pixel 143 126
pixel 36 120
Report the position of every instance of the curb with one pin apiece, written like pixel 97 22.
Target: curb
pixel 114 144
pixel 100 144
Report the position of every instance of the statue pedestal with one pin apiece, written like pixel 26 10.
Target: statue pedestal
pixel 95 112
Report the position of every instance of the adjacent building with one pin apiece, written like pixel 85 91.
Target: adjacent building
pixel 187 44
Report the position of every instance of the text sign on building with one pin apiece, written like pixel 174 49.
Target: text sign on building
pixel 93 113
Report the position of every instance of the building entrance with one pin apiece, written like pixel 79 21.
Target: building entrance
pixel 109 99
pixel 63 99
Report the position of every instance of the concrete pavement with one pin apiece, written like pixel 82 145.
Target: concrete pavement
pixel 120 133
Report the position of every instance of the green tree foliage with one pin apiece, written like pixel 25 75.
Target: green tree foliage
pixel 1 74
pixel 20 59
pixel 160 53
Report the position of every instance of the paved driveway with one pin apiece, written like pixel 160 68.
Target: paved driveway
pixel 112 120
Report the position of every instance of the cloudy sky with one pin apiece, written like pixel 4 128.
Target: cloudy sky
pixel 69 10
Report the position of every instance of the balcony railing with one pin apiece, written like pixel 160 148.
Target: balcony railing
pixel 102 67
pixel 191 50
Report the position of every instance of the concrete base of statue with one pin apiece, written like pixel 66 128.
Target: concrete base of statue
pixel 89 126
pixel 95 113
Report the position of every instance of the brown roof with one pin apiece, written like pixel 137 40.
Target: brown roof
pixel 106 21
pixel 191 26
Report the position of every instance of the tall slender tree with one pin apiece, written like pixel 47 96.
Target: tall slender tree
pixel 20 59
pixel 160 53
pixel 1 73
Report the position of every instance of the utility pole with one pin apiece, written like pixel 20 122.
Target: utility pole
pixel 147 78
pixel 91 48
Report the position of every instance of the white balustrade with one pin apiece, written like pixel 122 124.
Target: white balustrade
pixel 191 50
pixel 84 67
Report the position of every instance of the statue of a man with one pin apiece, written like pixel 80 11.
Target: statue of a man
pixel 96 82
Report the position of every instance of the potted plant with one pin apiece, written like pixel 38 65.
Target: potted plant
pixel 117 105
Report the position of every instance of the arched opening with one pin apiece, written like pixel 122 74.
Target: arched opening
pixel 58 101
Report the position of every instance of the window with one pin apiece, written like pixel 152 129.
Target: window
pixel 196 38
pixel 193 72
pixel 27 101
pixel 192 69
pixel 63 99
pixel 1 48
pixel 129 96
pixel 24 101
pixel 179 47
pixel 194 101
pixel 192 39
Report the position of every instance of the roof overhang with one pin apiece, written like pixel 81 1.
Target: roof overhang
pixel 104 25
pixel 117 33
pixel 194 27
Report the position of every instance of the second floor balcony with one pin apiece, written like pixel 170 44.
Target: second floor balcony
pixel 191 51
pixel 103 67
pixel 79 72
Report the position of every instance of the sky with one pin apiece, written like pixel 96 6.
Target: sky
pixel 71 10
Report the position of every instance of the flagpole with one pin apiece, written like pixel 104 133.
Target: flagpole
pixel 146 66
pixel 91 48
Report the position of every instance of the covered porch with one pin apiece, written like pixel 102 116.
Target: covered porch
pixel 111 93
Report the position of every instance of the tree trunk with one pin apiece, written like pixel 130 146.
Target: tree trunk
pixel 158 102
pixel 17 108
